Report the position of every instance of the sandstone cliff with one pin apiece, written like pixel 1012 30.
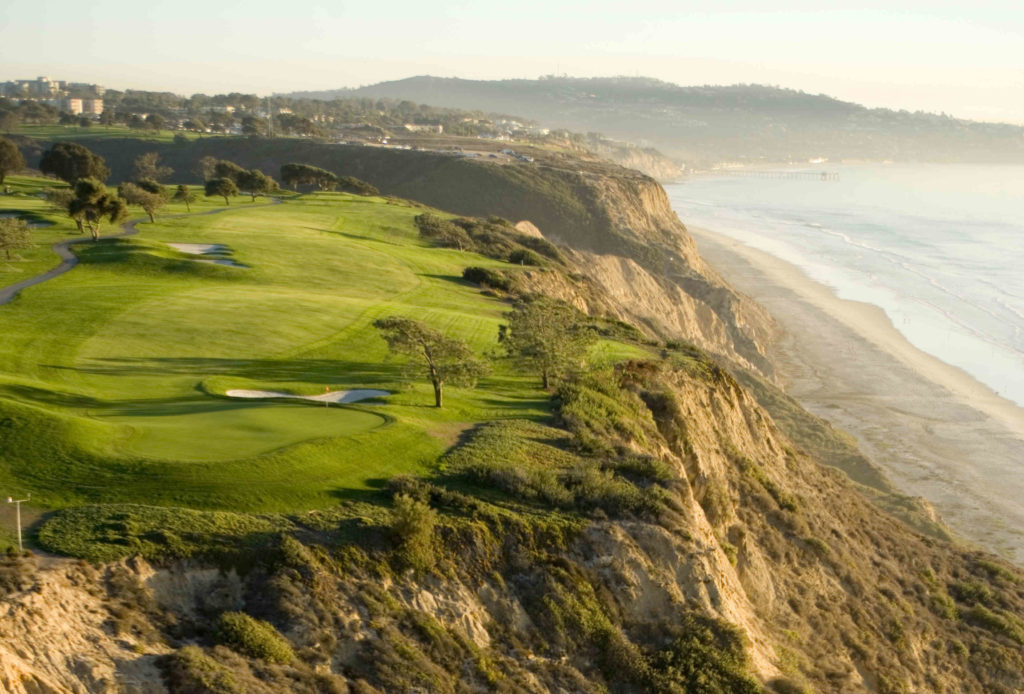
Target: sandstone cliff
pixel 783 572
pixel 662 534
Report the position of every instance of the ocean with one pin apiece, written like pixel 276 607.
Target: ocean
pixel 940 248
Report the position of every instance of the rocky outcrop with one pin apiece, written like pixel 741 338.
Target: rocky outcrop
pixel 65 629
pixel 645 160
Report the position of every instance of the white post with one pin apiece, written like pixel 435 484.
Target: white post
pixel 17 505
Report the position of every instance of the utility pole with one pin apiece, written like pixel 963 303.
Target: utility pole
pixel 17 504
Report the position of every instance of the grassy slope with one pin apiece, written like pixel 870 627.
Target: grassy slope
pixel 97 132
pixel 111 375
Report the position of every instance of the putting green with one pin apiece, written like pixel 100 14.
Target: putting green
pixel 209 430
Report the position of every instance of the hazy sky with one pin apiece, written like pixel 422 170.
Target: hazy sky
pixel 963 58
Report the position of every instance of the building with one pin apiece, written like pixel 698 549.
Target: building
pixel 418 128
pixel 92 107
pixel 43 87
pixel 73 106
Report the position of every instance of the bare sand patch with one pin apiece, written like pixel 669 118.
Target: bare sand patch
pixel 936 432
pixel 203 249
pixel 529 228
pixel 338 396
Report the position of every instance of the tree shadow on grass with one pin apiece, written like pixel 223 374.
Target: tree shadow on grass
pixel 359 237
pixel 454 279
pixel 22 393
pixel 377 494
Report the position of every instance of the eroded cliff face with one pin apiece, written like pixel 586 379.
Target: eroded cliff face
pixel 63 630
pixel 669 538
pixel 648 161
pixel 830 594
pixel 644 267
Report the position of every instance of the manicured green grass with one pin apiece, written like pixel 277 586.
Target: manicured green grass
pixel 52 226
pixel 112 375
pixel 246 429
pixel 96 131
pixel 24 201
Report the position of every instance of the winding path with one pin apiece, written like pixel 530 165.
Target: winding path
pixel 69 259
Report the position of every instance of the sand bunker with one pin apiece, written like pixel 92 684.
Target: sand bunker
pixel 333 396
pixel 215 249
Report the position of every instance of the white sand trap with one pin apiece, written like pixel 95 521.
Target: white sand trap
pixel 199 248
pixel 207 249
pixel 333 396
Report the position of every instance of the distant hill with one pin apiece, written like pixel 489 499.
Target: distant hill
pixel 709 124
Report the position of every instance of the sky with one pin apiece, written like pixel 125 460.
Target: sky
pixel 961 58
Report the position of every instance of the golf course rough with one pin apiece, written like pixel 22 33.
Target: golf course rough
pixel 113 376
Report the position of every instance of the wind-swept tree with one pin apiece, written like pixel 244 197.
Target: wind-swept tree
pixel 70 161
pixel 351 184
pixel 443 360
pixel 549 335
pixel 293 174
pixel 92 203
pixel 151 186
pixel 223 168
pixel 184 194
pixel 11 160
pixel 206 168
pixel 304 174
pixel 251 125
pixel 147 166
pixel 325 180
pixel 60 198
pixel 223 187
pixel 15 234
pixel 194 124
pixel 255 182
pixel 155 121
pixel 149 201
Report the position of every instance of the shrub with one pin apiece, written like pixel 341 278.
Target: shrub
pixel 151 186
pixel 709 656
pixel 524 256
pixel 541 246
pixel 942 605
pixel 16 574
pixel 253 637
pixel 528 461
pixel 972 592
pixel 1004 624
pixel 412 529
pixel 442 232
pixel 351 184
pixel 486 276
pixel 996 571
pixel 782 685
pixel 191 670
pixel 817 545
pixel 603 417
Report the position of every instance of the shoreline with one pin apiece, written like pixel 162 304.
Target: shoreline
pixel 934 430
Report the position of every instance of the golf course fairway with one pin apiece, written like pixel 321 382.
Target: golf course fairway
pixel 113 375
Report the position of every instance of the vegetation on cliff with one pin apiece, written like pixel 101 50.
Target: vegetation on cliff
pixel 643 526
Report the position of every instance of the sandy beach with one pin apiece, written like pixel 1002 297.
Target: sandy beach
pixel 936 432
